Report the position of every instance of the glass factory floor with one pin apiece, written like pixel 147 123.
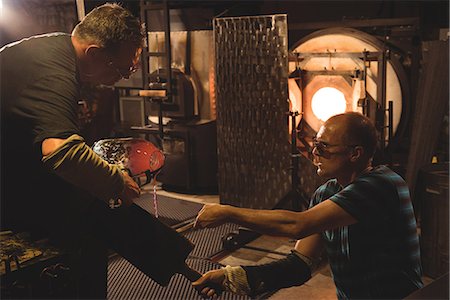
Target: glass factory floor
pixel 320 286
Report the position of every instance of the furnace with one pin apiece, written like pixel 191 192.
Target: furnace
pixel 337 70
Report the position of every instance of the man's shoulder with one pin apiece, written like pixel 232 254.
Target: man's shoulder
pixel 330 184
pixel 384 174
pixel 57 37
pixel 326 190
pixel 39 52
pixel 53 44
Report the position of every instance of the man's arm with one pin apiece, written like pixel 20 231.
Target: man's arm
pixel 311 246
pixel 51 145
pixel 293 270
pixel 325 215
pixel 74 161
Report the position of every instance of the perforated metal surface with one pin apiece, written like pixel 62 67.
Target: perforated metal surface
pixel 252 128
pixel 171 211
pixel 132 284
pixel 208 241
pixel 126 282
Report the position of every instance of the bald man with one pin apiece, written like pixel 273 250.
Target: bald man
pixel 362 217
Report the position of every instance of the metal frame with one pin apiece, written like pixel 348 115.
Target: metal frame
pixel 146 55
pixel 375 113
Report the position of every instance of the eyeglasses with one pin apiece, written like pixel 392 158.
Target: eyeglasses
pixel 323 148
pixel 126 74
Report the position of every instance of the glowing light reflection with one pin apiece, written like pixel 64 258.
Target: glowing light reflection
pixel 327 102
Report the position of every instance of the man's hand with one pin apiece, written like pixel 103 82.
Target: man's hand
pixel 211 215
pixel 130 191
pixel 208 284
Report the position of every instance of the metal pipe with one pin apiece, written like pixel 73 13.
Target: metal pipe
pixel 167 50
pixel 81 11
pixel 381 95
pixel 391 120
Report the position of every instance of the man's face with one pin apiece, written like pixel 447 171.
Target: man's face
pixel 331 155
pixel 121 64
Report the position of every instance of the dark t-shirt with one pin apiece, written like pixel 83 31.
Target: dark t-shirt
pixel 379 256
pixel 39 95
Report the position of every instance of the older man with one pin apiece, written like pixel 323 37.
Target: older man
pixel 53 184
pixel 362 216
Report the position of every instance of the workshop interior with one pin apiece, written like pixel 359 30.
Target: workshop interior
pixel 228 98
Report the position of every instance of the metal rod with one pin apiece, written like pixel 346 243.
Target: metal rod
pixel 303 55
pixel 185 226
pixel 381 95
pixel 294 160
pixel 166 12
pixel 144 54
pixel 365 106
pixel 263 250
pixel 81 12
pixel 160 120
pixel 391 120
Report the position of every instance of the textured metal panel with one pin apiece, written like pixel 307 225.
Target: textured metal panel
pixel 208 241
pixel 171 211
pixel 251 90
pixel 127 282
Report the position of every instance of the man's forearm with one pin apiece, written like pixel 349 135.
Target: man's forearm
pixel 295 269
pixel 76 163
pixel 324 216
pixel 271 222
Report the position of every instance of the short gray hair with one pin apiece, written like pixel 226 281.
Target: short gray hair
pixel 110 25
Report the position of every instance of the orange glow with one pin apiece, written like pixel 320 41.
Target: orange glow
pixel 327 102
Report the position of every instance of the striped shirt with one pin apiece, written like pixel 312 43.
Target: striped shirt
pixel 379 256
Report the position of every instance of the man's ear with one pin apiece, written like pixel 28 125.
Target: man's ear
pixel 94 52
pixel 356 153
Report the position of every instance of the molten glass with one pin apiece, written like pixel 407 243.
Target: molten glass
pixel 136 156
